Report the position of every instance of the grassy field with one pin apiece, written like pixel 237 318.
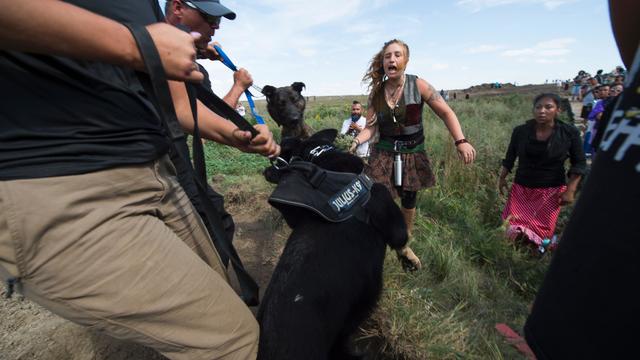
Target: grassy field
pixel 472 277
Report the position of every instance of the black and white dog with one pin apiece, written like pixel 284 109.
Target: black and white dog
pixel 329 277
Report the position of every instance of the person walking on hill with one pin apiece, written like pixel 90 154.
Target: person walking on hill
pixel 541 145
pixel 601 95
pixel 587 97
pixel 395 112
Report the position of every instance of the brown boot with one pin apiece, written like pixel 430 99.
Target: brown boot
pixel 408 259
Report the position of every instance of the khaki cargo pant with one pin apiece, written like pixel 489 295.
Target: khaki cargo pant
pixel 123 252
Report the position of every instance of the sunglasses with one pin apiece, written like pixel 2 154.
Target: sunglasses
pixel 210 19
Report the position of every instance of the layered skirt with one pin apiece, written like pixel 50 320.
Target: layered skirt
pixel 532 212
pixel 416 170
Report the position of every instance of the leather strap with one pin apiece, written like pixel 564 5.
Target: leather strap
pixel 153 64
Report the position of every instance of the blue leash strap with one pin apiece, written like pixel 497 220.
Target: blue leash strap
pixel 228 63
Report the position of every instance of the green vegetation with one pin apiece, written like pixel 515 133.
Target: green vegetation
pixel 472 278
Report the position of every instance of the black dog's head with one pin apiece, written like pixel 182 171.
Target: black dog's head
pixel 319 150
pixel 286 105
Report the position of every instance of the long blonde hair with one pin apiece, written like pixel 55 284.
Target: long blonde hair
pixel 375 74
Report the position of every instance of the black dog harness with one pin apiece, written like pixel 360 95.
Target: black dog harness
pixel 334 196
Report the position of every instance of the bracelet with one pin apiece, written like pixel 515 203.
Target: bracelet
pixel 461 141
pixel 356 141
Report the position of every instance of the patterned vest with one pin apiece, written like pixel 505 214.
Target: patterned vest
pixel 408 112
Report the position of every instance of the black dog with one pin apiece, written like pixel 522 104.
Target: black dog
pixel 286 106
pixel 329 277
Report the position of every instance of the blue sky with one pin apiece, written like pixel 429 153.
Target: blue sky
pixel 454 44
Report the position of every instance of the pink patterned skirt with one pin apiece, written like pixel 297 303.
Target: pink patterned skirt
pixel 532 212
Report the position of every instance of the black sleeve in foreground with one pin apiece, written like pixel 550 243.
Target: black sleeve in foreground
pixel 576 154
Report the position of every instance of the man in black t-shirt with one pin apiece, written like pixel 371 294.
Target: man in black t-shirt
pixel 94 225
pixel 588 306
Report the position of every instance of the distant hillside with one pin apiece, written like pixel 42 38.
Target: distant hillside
pixel 473 91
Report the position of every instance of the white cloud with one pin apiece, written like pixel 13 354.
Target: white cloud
pixel 551 61
pixel 360 28
pixel 312 13
pixel 518 52
pixel 554 52
pixel 439 66
pixel 478 5
pixel 483 49
pixel 556 43
pixel 548 51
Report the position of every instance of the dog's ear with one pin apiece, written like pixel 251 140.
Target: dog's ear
pixel 326 135
pixel 298 86
pixel 268 91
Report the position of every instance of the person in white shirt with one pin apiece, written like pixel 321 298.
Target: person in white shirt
pixel 354 125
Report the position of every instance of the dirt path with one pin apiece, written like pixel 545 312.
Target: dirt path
pixel 259 240
pixel 29 332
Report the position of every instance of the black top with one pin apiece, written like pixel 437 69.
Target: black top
pixel 541 163
pixel 63 117
pixel 589 306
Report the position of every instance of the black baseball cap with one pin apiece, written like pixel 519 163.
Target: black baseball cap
pixel 213 8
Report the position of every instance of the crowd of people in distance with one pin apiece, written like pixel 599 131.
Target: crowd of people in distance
pixel 598 95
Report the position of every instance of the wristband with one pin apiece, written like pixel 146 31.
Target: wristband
pixel 461 141
pixel 356 141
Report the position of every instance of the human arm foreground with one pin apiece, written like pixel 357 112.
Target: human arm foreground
pixel 58 28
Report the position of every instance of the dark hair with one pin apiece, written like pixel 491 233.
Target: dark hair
pixel 167 7
pixel 554 97
pixel 356 102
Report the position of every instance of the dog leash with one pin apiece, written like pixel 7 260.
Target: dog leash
pixel 228 63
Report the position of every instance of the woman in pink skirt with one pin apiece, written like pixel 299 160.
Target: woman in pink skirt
pixel 542 145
